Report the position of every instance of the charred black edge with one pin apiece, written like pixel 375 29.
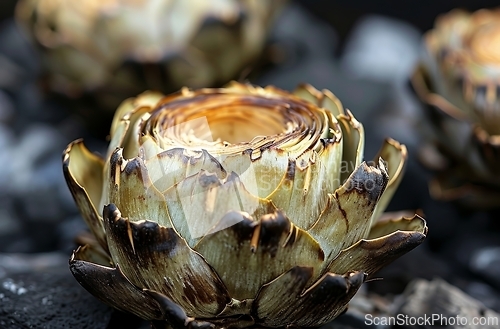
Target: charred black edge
pixel 385 249
pixel 365 173
pixel 143 241
pixel 331 292
pixel 272 228
pixel 108 276
pixel 302 274
pixel 175 315
pixel 179 152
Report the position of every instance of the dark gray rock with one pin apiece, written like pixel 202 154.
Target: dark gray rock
pixel 46 299
pixel 486 262
pixel 485 293
pixel 441 303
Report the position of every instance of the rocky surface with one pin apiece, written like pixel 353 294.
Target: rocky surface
pixel 428 304
pixel 38 219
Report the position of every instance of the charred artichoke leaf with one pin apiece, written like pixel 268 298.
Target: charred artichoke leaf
pixel 93 253
pixel 370 255
pixel 302 191
pixel 272 242
pixel 346 217
pixel 395 155
pixel 83 172
pixel 199 202
pixel 319 304
pixel 175 316
pixel 391 225
pixel 132 191
pixel 112 287
pixel 156 258
pixel 170 167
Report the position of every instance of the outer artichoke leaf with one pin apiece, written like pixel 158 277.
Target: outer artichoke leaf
pixel 395 155
pixel 346 217
pixel 391 225
pixel 251 253
pixel 319 304
pixel 157 258
pixel 117 136
pixel 353 135
pixel 371 255
pixel 303 191
pixel 132 191
pixel 197 204
pixel 94 254
pixel 112 287
pixel 83 172
pixel 284 290
pixel 172 166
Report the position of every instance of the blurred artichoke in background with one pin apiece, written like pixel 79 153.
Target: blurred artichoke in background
pixel 459 82
pixel 115 49
pixel 237 206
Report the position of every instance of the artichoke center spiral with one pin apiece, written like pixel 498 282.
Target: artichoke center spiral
pixel 223 123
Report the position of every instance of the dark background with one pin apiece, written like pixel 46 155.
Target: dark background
pixel 48 220
pixel 343 14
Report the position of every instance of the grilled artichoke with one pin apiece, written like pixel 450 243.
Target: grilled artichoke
pixel 459 83
pixel 237 206
pixel 115 49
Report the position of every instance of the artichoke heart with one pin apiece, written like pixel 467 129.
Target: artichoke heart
pixel 239 206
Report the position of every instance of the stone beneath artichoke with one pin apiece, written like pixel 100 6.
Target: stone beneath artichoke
pixel 109 50
pixel 459 83
pixel 237 206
